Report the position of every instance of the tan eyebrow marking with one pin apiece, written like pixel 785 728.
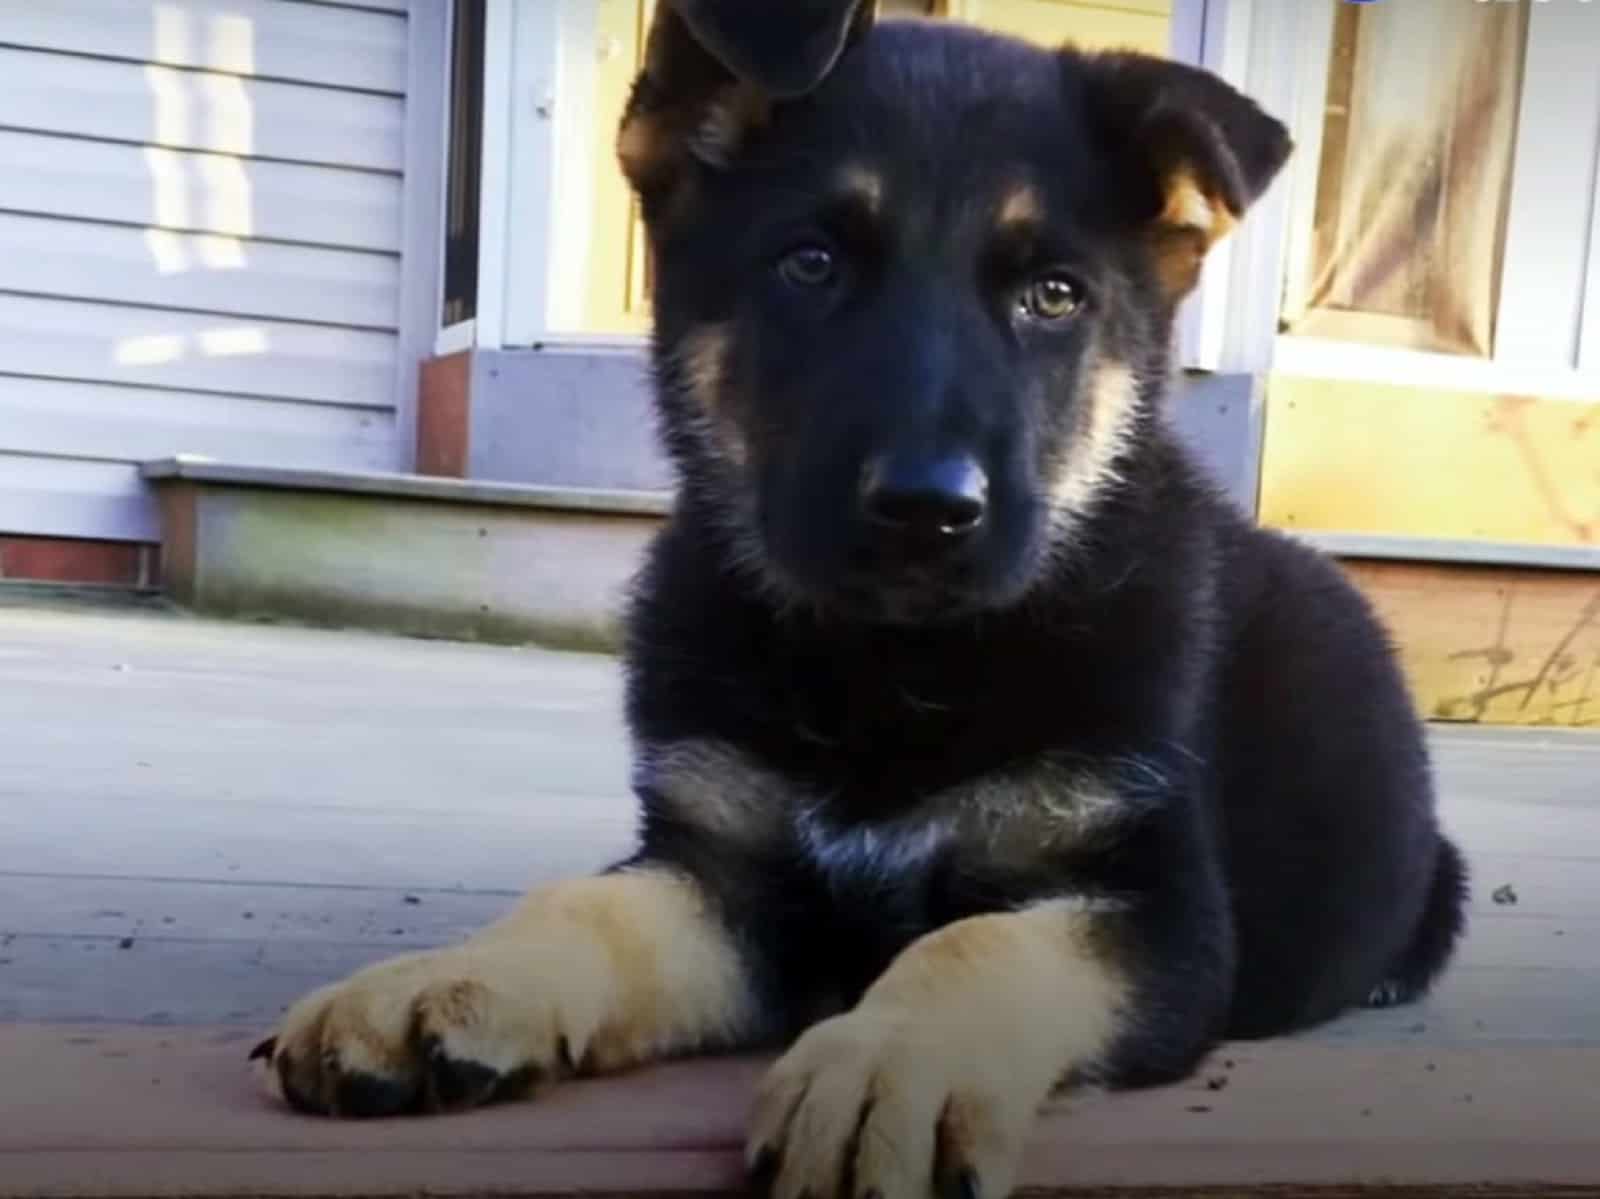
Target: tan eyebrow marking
pixel 1021 206
pixel 864 184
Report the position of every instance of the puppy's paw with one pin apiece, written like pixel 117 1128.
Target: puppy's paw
pixel 879 1104
pixel 427 1032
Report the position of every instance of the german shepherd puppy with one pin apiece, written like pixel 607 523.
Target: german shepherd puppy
pixel 981 746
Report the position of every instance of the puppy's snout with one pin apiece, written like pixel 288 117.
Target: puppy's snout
pixel 934 498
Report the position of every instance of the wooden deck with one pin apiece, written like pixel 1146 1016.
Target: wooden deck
pixel 199 821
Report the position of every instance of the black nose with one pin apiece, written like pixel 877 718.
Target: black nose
pixel 925 496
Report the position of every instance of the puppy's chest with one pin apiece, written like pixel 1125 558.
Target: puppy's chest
pixel 873 856
pixel 964 848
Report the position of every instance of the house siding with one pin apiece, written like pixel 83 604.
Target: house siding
pixel 201 221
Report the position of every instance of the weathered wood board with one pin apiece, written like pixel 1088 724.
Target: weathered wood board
pixel 1493 645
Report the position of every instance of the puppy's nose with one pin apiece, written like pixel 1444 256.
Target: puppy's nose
pixel 924 496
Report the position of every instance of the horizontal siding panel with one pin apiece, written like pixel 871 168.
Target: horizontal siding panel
pixel 137 424
pixel 54 497
pixel 308 43
pixel 193 351
pixel 158 268
pixel 377 5
pixel 194 110
pixel 209 193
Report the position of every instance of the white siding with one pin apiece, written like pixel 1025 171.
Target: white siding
pixel 200 232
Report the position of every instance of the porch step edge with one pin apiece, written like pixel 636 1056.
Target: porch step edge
pixel 196 469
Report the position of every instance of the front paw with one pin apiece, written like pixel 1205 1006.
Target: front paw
pixel 884 1104
pixel 434 1031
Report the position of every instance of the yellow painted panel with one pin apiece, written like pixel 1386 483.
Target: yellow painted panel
pixel 1112 24
pixel 612 303
pixel 1492 645
pixel 1354 457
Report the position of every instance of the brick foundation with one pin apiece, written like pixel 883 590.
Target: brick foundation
pixel 79 562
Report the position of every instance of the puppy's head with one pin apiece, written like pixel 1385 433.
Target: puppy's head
pixel 915 285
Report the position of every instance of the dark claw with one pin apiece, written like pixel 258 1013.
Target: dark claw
pixel 764 1170
pixel 304 1104
pixel 453 1083
pixel 264 1050
pixel 964 1185
pixel 366 1095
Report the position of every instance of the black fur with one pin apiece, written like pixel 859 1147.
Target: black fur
pixel 1276 853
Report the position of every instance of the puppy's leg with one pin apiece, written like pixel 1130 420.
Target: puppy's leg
pixel 591 974
pixel 931 1084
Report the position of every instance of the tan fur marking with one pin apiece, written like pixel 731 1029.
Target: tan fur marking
pixel 936 1054
pixel 863 184
pixel 720 791
pixel 703 355
pixel 726 123
pixel 615 970
pixel 1021 206
pixel 1091 459
pixel 1188 207
pixel 1191 222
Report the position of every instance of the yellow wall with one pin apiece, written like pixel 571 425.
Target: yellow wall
pixel 1111 24
pixel 1360 457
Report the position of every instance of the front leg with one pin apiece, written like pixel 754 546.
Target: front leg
pixel 932 1083
pixel 586 975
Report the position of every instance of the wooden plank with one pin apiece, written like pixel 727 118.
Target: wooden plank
pixel 199 110
pixel 1493 645
pixel 255 843
pixel 56 497
pixel 1378 458
pixel 78 260
pixel 168 981
pixel 109 343
pixel 109 909
pixel 205 193
pixel 308 43
pixel 138 424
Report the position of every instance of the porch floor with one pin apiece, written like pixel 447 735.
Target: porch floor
pixel 199 821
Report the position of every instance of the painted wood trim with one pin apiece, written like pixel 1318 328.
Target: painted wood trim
pixel 500 240
pixel 1385 547
pixel 1589 335
pixel 422 216
pixel 1553 179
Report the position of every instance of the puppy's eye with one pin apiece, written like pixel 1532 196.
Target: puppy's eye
pixel 1050 298
pixel 808 266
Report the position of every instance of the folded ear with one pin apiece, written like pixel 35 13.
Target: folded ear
pixel 712 70
pixel 1197 152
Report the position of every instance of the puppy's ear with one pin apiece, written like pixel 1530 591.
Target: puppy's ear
pixel 1196 152
pixel 712 70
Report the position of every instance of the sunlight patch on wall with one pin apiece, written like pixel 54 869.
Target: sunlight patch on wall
pixel 152 350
